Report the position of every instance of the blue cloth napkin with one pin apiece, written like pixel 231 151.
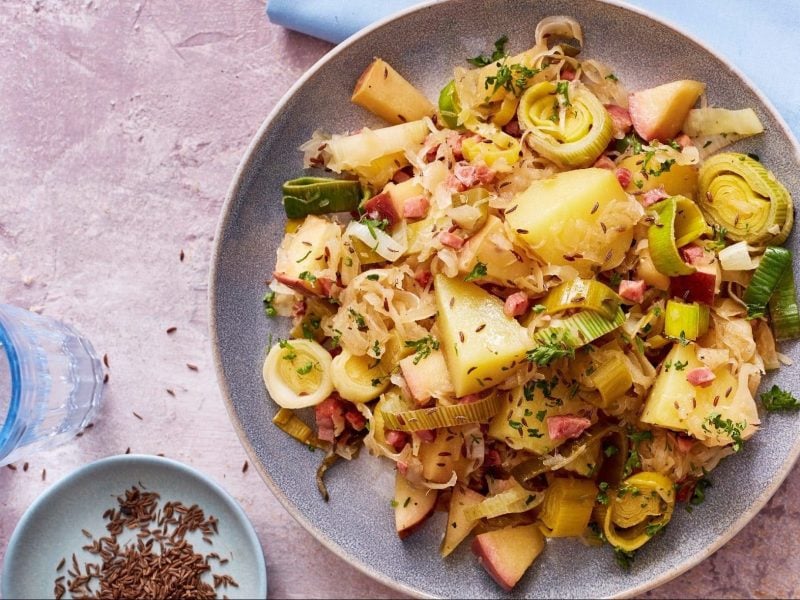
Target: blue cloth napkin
pixel 758 37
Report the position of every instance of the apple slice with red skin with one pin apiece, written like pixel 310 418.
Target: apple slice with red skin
pixel 412 506
pixel 658 113
pixel 507 553
pixel 700 286
pixel 380 207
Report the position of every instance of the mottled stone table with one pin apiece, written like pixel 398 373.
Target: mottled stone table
pixel 121 125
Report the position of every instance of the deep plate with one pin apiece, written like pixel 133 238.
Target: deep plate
pixel 51 528
pixel 357 523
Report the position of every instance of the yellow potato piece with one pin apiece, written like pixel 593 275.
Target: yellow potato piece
pixel 386 93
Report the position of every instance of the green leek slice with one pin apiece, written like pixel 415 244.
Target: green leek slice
pixel 583 293
pixel 567 507
pixel 443 416
pixel 783 309
pixel 579 329
pixel 612 378
pixel 765 280
pixel 675 221
pixel 290 423
pixel 449 106
pixel 320 195
pixel 739 194
pixel 490 151
pixel 638 509
pixel 685 321
pixel 572 138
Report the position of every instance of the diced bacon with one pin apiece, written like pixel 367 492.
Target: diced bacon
pixel 416 207
pixel 491 458
pixel 620 120
pixel 653 196
pixel 685 490
pixel 299 308
pixel 396 439
pixel 684 443
pixel 697 255
pixel 604 162
pixel 567 74
pixel 325 286
pixel 423 278
pixel 430 155
pixel 427 435
pixel 401 176
pixel 381 207
pixel 451 240
pixel 402 467
pixel 454 184
pixel 356 420
pixel 455 143
pixel 469 399
pixel 330 419
pixel 513 129
pixel 624 176
pixel 684 140
pixel 563 427
pixel 516 304
pixel 700 376
pixel 471 175
pixel 632 290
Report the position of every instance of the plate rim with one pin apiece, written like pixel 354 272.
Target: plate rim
pixel 128 461
pixel 226 215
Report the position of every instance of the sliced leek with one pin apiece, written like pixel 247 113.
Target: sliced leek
pixel 566 123
pixel 567 507
pixel 668 229
pixel 506 111
pixel 685 321
pixel 358 378
pixel 715 121
pixel 514 500
pixel 501 146
pixel 320 195
pixel 589 294
pixel 579 329
pixel 783 309
pixel 290 423
pixel 739 194
pixel 444 416
pixel 612 378
pixel 765 280
pixel 449 106
pixel 638 509
pixel 736 257
pixel 297 373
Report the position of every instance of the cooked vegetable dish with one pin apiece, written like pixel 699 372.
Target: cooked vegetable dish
pixel 548 301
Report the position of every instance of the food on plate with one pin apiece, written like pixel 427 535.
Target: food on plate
pixel 548 301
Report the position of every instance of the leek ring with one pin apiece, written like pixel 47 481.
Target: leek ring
pixel 739 194
pixel 297 373
pixel 640 507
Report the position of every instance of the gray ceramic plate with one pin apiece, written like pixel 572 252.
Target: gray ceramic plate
pixel 357 523
pixel 51 528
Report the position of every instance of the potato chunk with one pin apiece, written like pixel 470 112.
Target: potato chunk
pixel 581 218
pixel 386 93
pixel 491 247
pixel 481 345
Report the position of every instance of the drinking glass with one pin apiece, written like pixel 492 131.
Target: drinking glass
pixel 51 383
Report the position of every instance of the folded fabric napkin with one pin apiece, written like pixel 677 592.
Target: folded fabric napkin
pixel 753 36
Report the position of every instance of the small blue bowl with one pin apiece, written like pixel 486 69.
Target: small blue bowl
pixel 51 528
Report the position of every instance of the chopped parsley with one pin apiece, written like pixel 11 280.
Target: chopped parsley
pixel 376 349
pixel 514 424
pixel 534 433
pixel 373 277
pixel 719 238
pixel 291 354
pixel 562 89
pixel 269 309
pixel 610 450
pixel 558 345
pixel 728 427
pixel 305 369
pixel 499 53
pixel 309 325
pixel 602 495
pixel 394 503
pixel 373 224
pixel 654 528
pixel 612 77
pixel 422 347
pixel 359 319
pixel 615 279
pixel 699 493
pixel 632 141
pixel 778 399
pixel 539 309
pixel 624 559
pixel 478 271
pixel 680 366
pixel 307 276
pixel 634 461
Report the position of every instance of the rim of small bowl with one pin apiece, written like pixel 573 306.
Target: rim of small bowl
pixel 225 217
pixel 127 460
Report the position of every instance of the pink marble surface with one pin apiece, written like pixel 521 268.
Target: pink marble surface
pixel 121 125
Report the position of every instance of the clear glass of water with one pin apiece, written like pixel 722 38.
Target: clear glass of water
pixel 51 383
